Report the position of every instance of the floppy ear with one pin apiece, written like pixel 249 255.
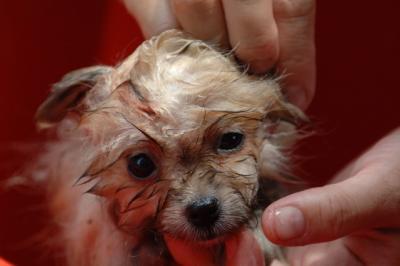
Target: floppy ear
pixel 68 94
pixel 287 113
pixel 281 132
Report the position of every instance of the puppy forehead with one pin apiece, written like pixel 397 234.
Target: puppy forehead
pixel 182 85
pixel 171 88
pixel 174 75
pixel 174 121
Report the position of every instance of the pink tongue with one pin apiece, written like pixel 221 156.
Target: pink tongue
pixel 240 249
pixel 243 249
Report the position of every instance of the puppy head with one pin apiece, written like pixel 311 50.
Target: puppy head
pixel 179 137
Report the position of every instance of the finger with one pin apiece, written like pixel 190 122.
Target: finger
pixel 204 19
pixel 328 254
pixel 295 22
pixel 153 16
pixel 386 152
pixel 252 32
pixel 366 201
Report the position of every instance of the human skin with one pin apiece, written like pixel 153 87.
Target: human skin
pixel 264 34
pixel 356 216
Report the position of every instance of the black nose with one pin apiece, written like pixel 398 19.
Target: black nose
pixel 203 212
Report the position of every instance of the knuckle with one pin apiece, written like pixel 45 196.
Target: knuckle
pixel 247 2
pixel 339 213
pixel 260 46
pixel 262 53
pixel 294 8
pixel 183 5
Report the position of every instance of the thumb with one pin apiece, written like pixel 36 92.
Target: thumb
pixel 364 201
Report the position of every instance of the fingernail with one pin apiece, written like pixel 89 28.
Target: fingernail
pixel 288 223
pixel 297 96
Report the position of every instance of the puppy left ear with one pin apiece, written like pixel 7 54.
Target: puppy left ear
pixel 68 94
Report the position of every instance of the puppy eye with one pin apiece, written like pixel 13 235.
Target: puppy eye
pixel 230 141
pixel 141 166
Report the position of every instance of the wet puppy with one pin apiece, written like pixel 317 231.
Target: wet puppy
pixel 173 147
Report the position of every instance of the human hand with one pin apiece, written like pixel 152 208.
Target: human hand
pixel 264 33
pixel 358 214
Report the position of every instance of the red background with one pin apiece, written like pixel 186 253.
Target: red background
pixel 357 99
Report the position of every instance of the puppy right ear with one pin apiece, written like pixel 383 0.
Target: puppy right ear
pixel 67 94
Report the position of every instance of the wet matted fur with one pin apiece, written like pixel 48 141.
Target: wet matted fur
pixel 173 100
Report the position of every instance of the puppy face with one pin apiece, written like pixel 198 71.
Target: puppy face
pixel 179 139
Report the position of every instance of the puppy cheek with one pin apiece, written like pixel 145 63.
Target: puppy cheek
pixel 245 177
pixel 132 212
pixel 247 188
pixel 235 208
